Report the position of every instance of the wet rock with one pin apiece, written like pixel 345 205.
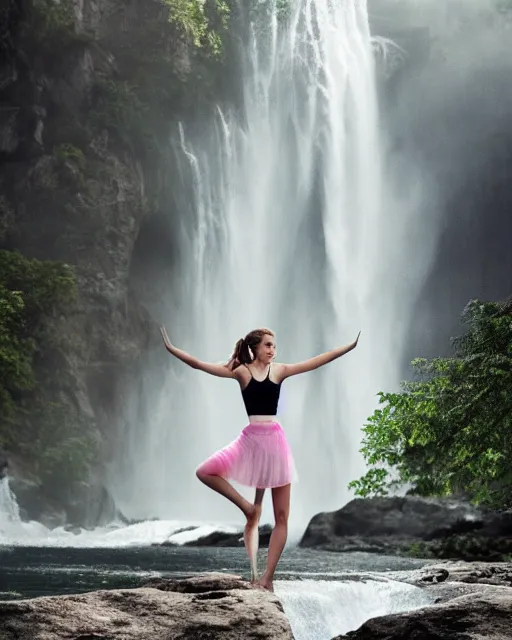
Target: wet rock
pixel 213 607
pixel 499 574
pixel 4 464
pixel 449 580
pixel 28 496
pixel 9 139
pixel 378 517
pixel 469 617
pixel 225 539
pixel 410 525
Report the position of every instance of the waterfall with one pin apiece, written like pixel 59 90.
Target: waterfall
pixel 290 221
pixel 9 510
pixel 319 609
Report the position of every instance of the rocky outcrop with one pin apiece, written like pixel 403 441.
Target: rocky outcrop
pixel 214 606
pixel 411 525
pixel 469 617
pixel 225 539
pixel 81 173
pixel 473 600
pixel 499 574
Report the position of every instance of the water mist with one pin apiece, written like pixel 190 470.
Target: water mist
pixel 295 224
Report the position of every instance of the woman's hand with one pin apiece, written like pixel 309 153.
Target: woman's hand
pixel 354 344
pixel 167 342
pixel 220 370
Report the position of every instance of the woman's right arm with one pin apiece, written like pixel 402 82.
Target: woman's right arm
pixel 214 369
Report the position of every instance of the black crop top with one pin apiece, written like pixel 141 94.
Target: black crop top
pixel 261 398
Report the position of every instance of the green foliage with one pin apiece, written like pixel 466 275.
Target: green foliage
pixel 67 152
pixel 30 291
pixel 450 430
pixel 117 108
pixel 54 16
pixel 192 17
pixel 43 284
pixel 16 353
pixel 468 546
pixel 50 22
pixel 63 448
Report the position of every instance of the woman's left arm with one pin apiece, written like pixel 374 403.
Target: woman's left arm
pixel 288 370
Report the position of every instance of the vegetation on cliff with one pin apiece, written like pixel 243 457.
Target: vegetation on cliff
pixel 197 19
pixel 33 296
pixel 92 93
pixel 450 430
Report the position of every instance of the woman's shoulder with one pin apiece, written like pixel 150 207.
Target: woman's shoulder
pixel 241 372
pixel 277 373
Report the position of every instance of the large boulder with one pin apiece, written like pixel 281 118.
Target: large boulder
pixel 226 539
pixel 470 617
pixel 472 601
pixel 429 527
pixel 213 606
pixel 399 516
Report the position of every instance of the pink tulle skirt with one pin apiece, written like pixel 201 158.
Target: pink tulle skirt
pixel 260 457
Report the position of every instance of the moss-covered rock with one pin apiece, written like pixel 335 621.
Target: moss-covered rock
pixel 469 547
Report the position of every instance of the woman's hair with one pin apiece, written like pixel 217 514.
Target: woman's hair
pixel 244 347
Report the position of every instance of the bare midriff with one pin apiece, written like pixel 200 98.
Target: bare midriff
pixel 262 419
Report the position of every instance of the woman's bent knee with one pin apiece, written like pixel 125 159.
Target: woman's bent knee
pixel 201 474
pixel 204 475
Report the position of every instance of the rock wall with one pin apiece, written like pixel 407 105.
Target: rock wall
pixel 88 90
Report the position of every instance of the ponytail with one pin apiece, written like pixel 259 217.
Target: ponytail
pixel 245 348
pixel 241 354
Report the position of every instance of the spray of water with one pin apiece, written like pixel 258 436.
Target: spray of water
pixel 9 510
pixel 292 224
pixel 320 609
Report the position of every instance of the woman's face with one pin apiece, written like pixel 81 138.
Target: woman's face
pixel 266 350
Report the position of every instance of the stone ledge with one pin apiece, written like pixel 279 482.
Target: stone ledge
pixel 207 607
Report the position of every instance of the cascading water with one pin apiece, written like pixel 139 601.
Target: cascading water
pixel 319 609
pixel 9 510
pixel 293 224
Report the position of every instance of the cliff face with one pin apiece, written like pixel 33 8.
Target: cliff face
pixel 89 89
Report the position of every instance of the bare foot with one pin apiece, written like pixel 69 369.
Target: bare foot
pixel 251 538
pixel 263 583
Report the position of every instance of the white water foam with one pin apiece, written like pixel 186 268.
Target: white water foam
pixel 16 532
pixel 116 535
pixel 9 509
pixel 320 609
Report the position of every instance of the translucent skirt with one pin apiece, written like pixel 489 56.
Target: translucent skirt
pixel 260 457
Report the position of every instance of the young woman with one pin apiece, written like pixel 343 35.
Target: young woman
pixel 260 457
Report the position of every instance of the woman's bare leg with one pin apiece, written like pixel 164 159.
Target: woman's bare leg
pixel 222 486
pixel 252 535
pixel 281 501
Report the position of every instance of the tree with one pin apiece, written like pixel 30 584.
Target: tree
pixel 450 429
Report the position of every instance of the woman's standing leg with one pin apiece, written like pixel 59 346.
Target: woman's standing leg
pixel 252 511
pixel 281 502
pixel 252 535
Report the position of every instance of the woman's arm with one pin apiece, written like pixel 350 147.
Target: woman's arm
pixel 288 370
pixel 220 370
